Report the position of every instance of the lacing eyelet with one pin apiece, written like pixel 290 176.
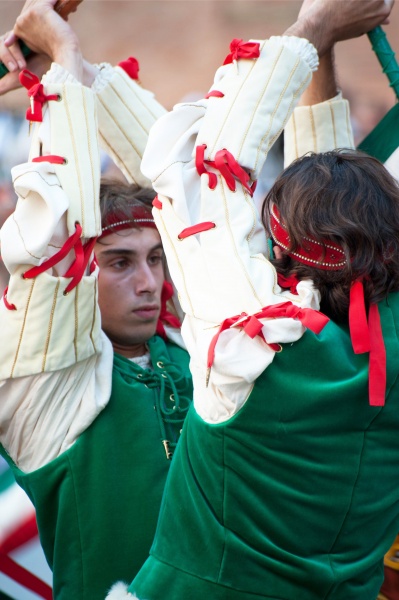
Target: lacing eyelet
pixel 65 161
pixel 59 97
pixel 160 364
pixel 163 375
pixel 65 293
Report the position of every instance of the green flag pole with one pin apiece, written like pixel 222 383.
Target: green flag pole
pixel 63 8
pixel 386 57
pixel 384 139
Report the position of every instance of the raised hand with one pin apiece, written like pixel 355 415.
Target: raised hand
pixel 13 58
pixel 325 22
pixel 46 32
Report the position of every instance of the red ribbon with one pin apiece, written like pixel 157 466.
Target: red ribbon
pixel 77 269
pixel 214 94
pixel 377 359
pixel 8 304
pixel 288 282
pixel 228 167
pixel 194 229
pixel 358 326
pixel 200 166
pixel 131 67
pixel 35 92
pixel 241 49
pixel 165 316
pixel 366 336
pixel 157 203
pixel 54 159
pixel 310 318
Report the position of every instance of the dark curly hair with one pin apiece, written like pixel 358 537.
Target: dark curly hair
pixel 349 198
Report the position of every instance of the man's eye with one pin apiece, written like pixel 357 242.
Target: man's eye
pixel 119 264
pixel 154 260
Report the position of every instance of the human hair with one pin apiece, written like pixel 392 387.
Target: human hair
pixel 119 200
pixel 349 198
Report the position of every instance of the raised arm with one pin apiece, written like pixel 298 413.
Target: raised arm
pixel 321 122
pixel 204 159
pixel 126 111
pixel 52 342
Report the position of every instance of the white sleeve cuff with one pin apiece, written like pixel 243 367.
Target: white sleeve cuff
pixel 57 74
pixel 302 47
pixel 103 77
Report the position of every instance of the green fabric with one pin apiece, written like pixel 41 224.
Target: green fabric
pixel 383 139
pixel 4 596
pixel 97 504
pixel 6 479
pixel 296 496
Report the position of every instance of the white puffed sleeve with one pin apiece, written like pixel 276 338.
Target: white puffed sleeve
pixel 202 159
pixel 126 113
pixel 55 363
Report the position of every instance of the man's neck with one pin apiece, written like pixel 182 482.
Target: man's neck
pixel 131 351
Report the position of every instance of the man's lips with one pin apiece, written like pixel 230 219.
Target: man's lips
pixel 148 311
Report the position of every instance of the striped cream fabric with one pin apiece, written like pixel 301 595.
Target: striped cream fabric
pixel 52 198
pixel 74 137
pixel 126 113
pixel 318 128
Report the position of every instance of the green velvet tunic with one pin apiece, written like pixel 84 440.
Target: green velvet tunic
pixel 297 495
pixel 97 503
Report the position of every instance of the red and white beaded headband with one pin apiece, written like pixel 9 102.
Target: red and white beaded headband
pixel 327 255
pixel 141 217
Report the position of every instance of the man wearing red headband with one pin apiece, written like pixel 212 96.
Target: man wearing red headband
pixel 92 401
pixel 286 474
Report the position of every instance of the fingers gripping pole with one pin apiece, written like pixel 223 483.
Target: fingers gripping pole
pixel 63 8
pixel 386 57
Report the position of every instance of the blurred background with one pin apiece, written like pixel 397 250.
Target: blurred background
pixel 179 44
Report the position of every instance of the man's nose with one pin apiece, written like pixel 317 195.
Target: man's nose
pixel 145 281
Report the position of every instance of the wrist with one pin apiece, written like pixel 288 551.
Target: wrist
pixel 311 27
pixel 71 62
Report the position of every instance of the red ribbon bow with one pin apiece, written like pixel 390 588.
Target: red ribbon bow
pixel 251 324
pixel 36 94
pixel 77 269
pixel 131 67
pixel 228 167
pixel 241 49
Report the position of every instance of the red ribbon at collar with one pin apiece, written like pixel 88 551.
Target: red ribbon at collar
pixel 241 49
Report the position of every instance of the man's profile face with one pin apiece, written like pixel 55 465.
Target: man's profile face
pixel 130 286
